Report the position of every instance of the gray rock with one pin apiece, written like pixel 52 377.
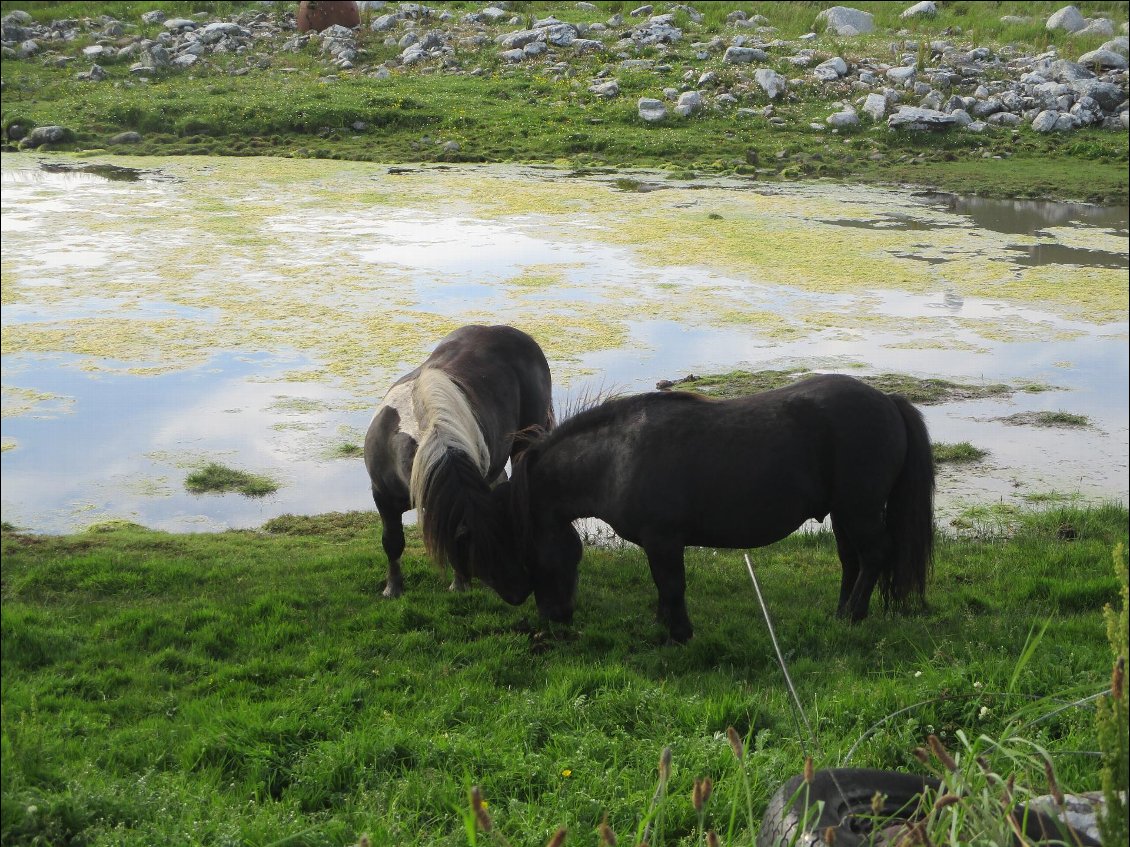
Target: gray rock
pixel 127 137
pixel 1068 18
pixel 901 75
pixel 384 23
pixel 843 20
pixel 511 40
pixel 213 32
pixel 961 117
pixel 185 60
pixel 1087 111
pixel 743 55
pixel 154 17
pixel 975 126
pixel 179 24
pixel 916 119
pixel 641 11
pixel 1121 44
pixel 875 106
pixel 1063 70
pixel 689 103
pixel 925 9
pixel 560 34
pixel 535 48
pixel 95 74
pixel 605 90
pixel 586 45
pixel 516 55
pixel 1004 119
pixel 651 110
pixel 843 120
pixel 984 108
pixel 832 69
pixel 1104 59
pixel 1046 121
pixel 46 135
pixel 1101 27
pixel 1106 94
pixel 771 82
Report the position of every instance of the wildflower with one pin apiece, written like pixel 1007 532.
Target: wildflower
pixel 977 684
pixel 984 713
pixel 567 772
pixel 917 674
pixel 701 793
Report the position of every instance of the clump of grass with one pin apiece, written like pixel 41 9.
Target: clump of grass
pixel 961 453
pixel 1065 420
pixel 1113 718
pixel 348 451
pixel 216 478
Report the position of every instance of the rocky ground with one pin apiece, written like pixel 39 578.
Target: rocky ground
pixel 944 83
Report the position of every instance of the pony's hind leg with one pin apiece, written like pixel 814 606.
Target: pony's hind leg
pixel 392 539
pixel 666 561
pixel 865 549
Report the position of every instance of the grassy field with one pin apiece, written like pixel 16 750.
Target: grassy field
pixel 253 687
pixel 296 104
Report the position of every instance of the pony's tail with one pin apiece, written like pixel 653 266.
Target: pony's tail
pixel 910 513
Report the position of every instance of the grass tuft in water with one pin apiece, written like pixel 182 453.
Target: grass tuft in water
pixel 961 453
pixel 215 478
pixel 1065 420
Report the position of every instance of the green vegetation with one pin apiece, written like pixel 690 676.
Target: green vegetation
pixel 348 451
pixel 253 687
pixel 1114 716
pixel 1048 419
pixel 298 104
pixel 215 478
pixel 926 391
pixel 961 453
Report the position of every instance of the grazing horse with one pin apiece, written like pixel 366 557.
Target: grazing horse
pixel 442 436
pixel 667 470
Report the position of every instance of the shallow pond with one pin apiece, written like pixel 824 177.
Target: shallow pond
pixel 253 312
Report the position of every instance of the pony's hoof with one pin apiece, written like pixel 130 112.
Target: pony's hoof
pixel 392 591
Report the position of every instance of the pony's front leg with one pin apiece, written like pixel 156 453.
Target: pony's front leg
pixel 666 561
pixel 459 583
pixel 392 539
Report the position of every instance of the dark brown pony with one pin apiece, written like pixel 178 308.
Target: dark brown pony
pixel 441 437
pixel 667 470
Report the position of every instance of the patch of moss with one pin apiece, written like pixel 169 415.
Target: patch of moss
pixel 216 478
pixel 1053 420
pixel 339 526
pixel 961 453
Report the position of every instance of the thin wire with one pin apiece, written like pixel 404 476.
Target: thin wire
pixel 781 660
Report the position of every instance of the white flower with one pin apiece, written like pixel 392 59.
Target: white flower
pixel 977 685
pixel 984 713
pixel 917 674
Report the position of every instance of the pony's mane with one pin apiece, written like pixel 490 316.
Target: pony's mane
pixel 449 427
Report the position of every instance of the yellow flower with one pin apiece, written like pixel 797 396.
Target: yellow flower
pixel 566 772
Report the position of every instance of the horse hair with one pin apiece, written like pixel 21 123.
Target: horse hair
pixel 452 430
pixel 910 512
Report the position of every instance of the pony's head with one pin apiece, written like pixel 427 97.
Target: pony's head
pixel 546 548
pixel 485 550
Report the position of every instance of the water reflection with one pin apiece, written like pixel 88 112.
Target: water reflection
pixel 1029 216
pixel 299 336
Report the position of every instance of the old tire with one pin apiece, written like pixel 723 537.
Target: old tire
pixel 846 795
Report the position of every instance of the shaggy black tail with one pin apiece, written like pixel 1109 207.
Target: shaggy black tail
pixel 455 512
pixel 910 512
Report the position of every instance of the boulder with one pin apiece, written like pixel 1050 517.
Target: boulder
pixel 1103 59
pixel 689 103
pixel 925 9
pixel 743 55
pixel 651 110
pixel 843 120
pixel 46 135
pixel 917 119
pixel 875 106
pixel 1068 18
pixel 771 82
pixel 606 90
pixel 843 20
pixel 832 69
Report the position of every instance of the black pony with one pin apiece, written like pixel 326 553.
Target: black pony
pixel 671 469
pixel 442 436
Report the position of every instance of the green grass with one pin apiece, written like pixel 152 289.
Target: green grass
pixel 1066 420
pixel 301 106
pixel 961 453
pixel 253 687
pixel 214 478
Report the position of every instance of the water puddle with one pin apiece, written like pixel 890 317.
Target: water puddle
pixel 253 311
